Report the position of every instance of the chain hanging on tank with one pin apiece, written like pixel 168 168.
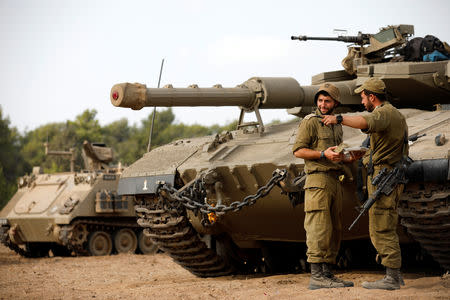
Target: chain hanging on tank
pixel 193 197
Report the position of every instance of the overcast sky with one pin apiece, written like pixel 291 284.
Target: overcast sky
pixel 58 58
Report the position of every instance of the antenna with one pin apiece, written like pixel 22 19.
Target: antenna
pixel 154 111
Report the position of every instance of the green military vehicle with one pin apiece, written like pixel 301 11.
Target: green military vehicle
pixel 232 202
pixel 73 213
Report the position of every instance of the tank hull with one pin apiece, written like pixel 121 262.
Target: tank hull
pixel 244 163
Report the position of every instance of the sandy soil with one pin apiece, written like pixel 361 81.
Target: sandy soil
pixel 158 277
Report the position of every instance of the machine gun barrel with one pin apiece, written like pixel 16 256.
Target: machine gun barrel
pixel 357 39
pixel 260 92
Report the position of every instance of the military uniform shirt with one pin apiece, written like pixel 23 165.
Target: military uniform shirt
pixel 387 128
pixel 312 134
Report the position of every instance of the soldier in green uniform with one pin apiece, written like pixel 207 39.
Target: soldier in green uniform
pixel 388 133
pixel 323 192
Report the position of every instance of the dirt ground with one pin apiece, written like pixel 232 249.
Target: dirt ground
pixel 127 276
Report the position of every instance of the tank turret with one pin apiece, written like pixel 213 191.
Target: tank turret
pixel 214 204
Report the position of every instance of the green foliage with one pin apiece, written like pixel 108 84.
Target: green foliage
pixel 12 163
pixel 86 127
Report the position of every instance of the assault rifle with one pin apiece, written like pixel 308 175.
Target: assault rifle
pixel 386 181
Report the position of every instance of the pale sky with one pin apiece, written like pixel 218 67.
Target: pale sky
pixel 58 58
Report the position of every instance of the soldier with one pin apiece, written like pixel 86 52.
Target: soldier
pixel 388 145
pixel 323 192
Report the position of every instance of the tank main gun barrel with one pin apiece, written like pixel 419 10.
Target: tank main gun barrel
pixel 357 39
pixel 261 92
pixel 257 92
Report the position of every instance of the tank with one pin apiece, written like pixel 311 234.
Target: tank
pixel 73 213
pixel 233 202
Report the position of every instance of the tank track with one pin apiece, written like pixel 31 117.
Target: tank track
pixel 8 243
pixel 78 247
pixel 425 212
pixel 170 229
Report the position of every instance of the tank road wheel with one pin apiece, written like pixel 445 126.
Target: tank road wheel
pixel 125 241
pixel 99 243
pixel 146 246
pixel 79 234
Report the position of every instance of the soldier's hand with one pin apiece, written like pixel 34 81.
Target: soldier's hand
pixel 333 156
pixel 329 119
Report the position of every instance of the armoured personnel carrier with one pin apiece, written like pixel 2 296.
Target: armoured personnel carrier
pixel 233 202
pixel 75 213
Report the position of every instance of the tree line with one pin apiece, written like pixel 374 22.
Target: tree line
pixel 20 152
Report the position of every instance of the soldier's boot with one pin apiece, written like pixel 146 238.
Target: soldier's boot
pixel 327 272
pixel 391 281
pixel 378 260
pixel 319 281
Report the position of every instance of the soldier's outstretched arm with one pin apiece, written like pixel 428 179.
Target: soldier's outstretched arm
pixel 351 121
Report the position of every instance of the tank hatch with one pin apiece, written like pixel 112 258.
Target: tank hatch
pixel 41 195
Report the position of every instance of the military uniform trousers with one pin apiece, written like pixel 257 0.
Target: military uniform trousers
pixel 383 219
pixel 323 215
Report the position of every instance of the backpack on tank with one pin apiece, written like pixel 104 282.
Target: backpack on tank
pixel 412 49
pixel 430 43
pixel 418 47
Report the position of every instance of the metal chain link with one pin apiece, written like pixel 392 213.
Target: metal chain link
pixel 193 197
